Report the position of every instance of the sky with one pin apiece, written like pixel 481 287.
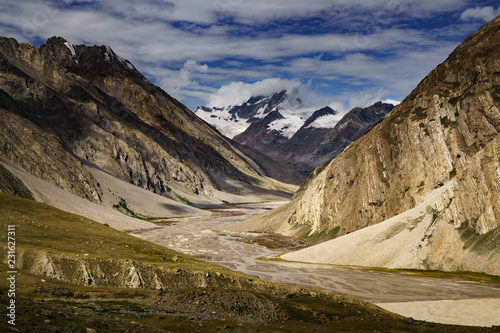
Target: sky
pixel 341 53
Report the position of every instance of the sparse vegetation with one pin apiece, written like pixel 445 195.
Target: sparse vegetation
pixel 122 207
pixel 466 231
pixel 453 173
pixel 381 168
pixel 485 243
pixel 385 133
pixel 303 231
pixel 277 241
pixel 446 122
pixel 181 198
pixel 228 299
pixel 419 113
pixel 49 229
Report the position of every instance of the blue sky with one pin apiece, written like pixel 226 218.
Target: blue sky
pixel 342 53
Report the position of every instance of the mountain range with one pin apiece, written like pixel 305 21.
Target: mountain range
pixel 271 126
pixel 416 186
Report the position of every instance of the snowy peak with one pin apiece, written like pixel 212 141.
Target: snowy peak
pixel 87 57
pixel 265 134
pixel 233 120
pixel 288 125
pixel 323 118
pixel 111 56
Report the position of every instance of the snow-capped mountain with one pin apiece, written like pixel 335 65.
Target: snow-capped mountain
pixel 235 119
pixel 327 133
pixel 322 118
pixel 324 135
pixel 271 125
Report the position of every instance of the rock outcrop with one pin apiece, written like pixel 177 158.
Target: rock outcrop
pixel 12 185
pixel 445 131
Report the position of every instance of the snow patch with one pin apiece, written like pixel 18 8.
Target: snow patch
pixel 126 63
pixel 326 121
pixel 110 55
pixel 228 124
pixel 71 48
pixel 287 126
pixel 237 93
pixel 391 101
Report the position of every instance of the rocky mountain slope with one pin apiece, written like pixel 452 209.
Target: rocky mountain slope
pixel 63 104
pixel 444 133
pixel 317 141
pixel 261 135
pixel 323 136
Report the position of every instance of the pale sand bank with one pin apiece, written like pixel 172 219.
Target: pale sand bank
pixel 466 312
pixel 394 243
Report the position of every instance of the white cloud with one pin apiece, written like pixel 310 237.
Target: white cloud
pixel 391 101
pixel 143 33
pixel 481 13
pixel 366 98
pixel 192 66
pixel 177 83
pixel 398 73
pixel 258 11
pixel 238 92
pixel 158 35
pixel 339 107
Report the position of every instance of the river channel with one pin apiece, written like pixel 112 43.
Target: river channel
pixel 205 238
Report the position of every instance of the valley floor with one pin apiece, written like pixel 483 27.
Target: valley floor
pixel 435 297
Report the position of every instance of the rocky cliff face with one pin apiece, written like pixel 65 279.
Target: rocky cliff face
pixel 64 103
pixel 12 185
pixel 444 132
